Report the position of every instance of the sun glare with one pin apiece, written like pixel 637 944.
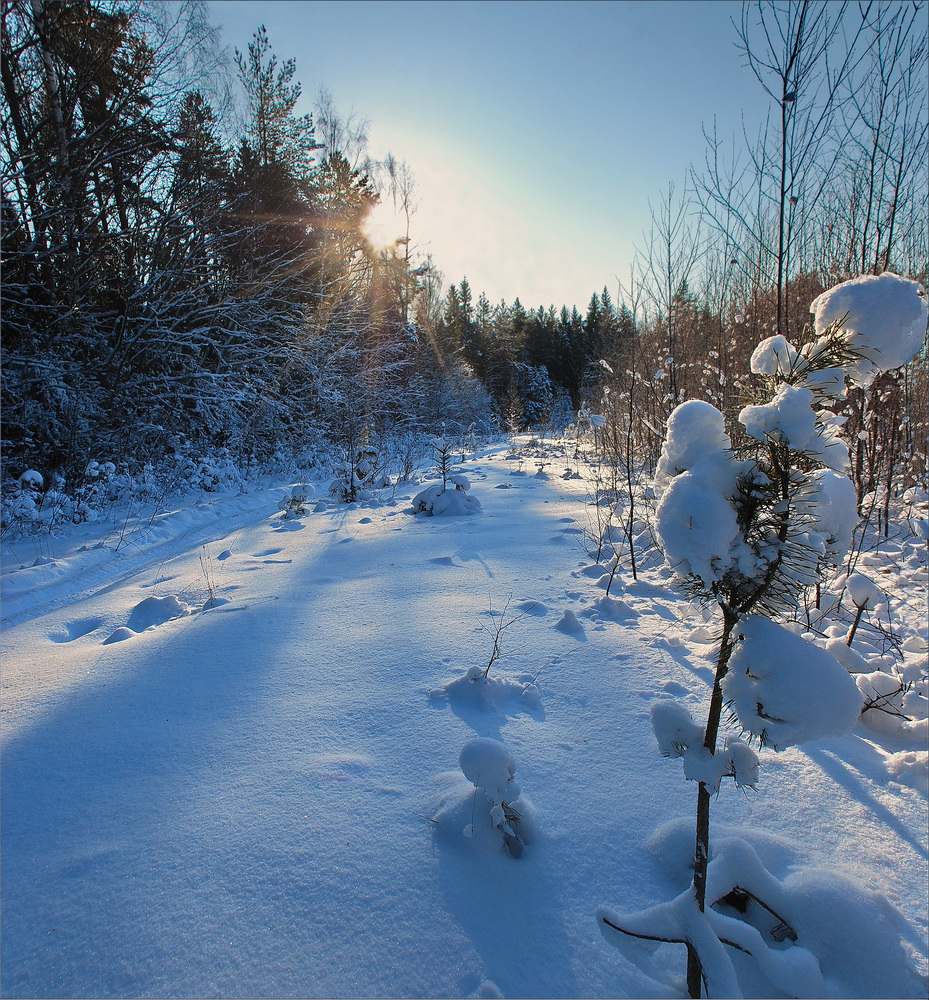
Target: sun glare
pixel 384 226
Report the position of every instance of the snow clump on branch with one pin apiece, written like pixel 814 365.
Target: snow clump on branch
pixel 786 691
pixel 882 317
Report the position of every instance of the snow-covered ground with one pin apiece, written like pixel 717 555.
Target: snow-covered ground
pixel 231 748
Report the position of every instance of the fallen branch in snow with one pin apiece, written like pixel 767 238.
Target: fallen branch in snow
pixel 667 940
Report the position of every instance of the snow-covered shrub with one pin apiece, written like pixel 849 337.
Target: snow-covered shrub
pixel 211 473
pixel 357 476
pixel 750 532
pixel 490 767
pixel 22 499
pixel 450 498
pixel 294 503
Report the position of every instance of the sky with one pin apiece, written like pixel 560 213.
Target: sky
pixel 539 133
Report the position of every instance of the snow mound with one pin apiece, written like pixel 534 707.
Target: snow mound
pixel 909 767
pixel 493 812
pixel 863 592
pixel 461 817
pixel 850 658
pixel 155 611
pixel 439 501
pixel 488 765
pixel 610 609
pixel 535 608
pixel 493 693
pixel 569 624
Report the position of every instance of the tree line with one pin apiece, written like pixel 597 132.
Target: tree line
pixel 831 185
pixel 175 279
pixel 179 276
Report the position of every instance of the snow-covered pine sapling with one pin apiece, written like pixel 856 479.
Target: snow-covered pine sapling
pixel 357 476
pixel 490 767
pixel 294 503
pixel 442 451
pixel 452 497
pixel 750 533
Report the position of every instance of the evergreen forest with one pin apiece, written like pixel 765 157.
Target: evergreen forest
pixel 187 273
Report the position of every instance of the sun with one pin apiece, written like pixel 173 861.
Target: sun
pixel 383 226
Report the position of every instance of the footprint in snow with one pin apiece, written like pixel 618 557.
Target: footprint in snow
pixel 77 629
pixel 533 608
pixel 352 768
pixel 118 635
pixel 675 689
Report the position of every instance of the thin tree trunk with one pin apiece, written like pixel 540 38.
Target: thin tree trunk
pixel 702 847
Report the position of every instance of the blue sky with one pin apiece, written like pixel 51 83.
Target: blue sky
pixel 537 132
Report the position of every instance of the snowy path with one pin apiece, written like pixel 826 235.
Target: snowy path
pixel 238 802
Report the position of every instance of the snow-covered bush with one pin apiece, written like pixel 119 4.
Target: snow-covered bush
pixel 211 473
pixel 294 503
pixel 22 499
pixel 750 532
pixel 357 476
pixel 490 767
pixel 450 498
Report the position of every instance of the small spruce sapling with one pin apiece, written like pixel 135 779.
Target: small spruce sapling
pixel 357 476
pixel 294 504
pixel 750 534
pixel 439 500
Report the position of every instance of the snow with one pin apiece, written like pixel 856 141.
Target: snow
pixel 790 418
pixel 488 765
pixel 695 431
pixel 881 316
pixel 831 505
pixel 774 356
pixel 863 592
pixel 259 793
pixel 696 522
pixel 786 691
